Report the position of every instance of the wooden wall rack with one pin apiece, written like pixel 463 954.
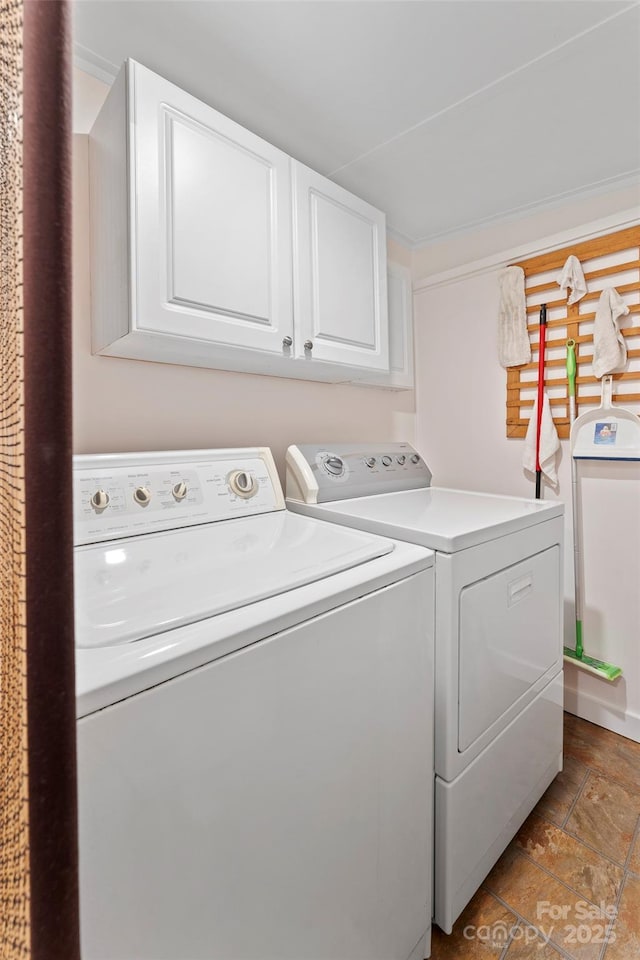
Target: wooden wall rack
pixel 611 260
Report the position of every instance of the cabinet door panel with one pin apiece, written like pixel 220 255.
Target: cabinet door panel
pixel 342 262
pixel 212 215
pixel 220 230
pixel 339 273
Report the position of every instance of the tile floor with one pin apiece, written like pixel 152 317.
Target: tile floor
pixel 569 883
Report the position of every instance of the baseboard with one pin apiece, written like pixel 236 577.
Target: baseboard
pixel 606 715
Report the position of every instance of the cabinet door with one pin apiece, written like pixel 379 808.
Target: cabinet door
pixel 400 326
pixel 400 300
pixel 340 283
pixel 211 213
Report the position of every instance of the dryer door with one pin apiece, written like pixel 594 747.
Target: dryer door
pixel 509 638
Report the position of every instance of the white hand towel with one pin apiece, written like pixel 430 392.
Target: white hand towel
pixel 549 442
pixel 572 276
pixel 513 339
pixel 609 348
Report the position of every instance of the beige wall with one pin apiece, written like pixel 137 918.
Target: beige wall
pixel 130 405
pixel 460 430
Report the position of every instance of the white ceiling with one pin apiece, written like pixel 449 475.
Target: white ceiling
pixel 447 114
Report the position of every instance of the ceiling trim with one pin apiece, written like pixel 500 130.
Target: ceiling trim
pixel 401 238
pixel 596 228
pixel 630 178
pixel 93 64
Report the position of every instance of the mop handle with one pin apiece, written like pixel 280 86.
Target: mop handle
pixel 575 506
pixel 571 378
pixel 541 347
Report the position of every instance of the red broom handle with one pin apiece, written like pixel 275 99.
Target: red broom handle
pixel 541 350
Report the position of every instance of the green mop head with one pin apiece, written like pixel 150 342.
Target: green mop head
pixel 578 657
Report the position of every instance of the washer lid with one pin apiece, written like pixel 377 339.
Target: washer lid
pixel 141 586
pixel 435 517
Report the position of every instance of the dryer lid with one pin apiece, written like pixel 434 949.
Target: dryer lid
pixel 438 518
pixel 142 586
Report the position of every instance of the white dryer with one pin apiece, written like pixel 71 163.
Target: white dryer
pixel 244 679
pixel 499 610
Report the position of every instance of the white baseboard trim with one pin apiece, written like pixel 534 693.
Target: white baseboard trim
pixel 606 715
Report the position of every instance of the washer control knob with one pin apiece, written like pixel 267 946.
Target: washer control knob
pixel 415 458
pixel 243 484
pixel 100 500
pixel 334 466
pixel 180 490
pixel 370 461
pixel 142 495
pixel 387 461
pixel 401 459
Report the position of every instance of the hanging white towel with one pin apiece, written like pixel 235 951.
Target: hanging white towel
pixel 609 348
pixel 572 276
pixel 549 442
pixel 513 339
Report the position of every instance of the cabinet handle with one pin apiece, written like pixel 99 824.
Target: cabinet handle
pixel 308 344
pixel 287 342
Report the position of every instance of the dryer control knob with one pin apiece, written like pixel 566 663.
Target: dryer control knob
pixel 243 484
pixel 100 500
pixel 387 461
pixel 415 458
pixel 142 495
pixel 370 461
pixel 401 459
pixel 334 466
pixel 180 490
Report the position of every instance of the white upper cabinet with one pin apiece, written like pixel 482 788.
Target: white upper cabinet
pixel 211 208
pixel 340 284
pixel 193 240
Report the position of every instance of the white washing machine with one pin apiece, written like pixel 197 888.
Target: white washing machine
pixel 499 608
pixel 254 720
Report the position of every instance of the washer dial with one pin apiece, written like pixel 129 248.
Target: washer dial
pixel 142 495
pixel 180 491
pixel 100 500
pixel 243 484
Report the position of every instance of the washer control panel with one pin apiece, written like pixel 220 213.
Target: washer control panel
pixel 121 495
pixel 317 474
